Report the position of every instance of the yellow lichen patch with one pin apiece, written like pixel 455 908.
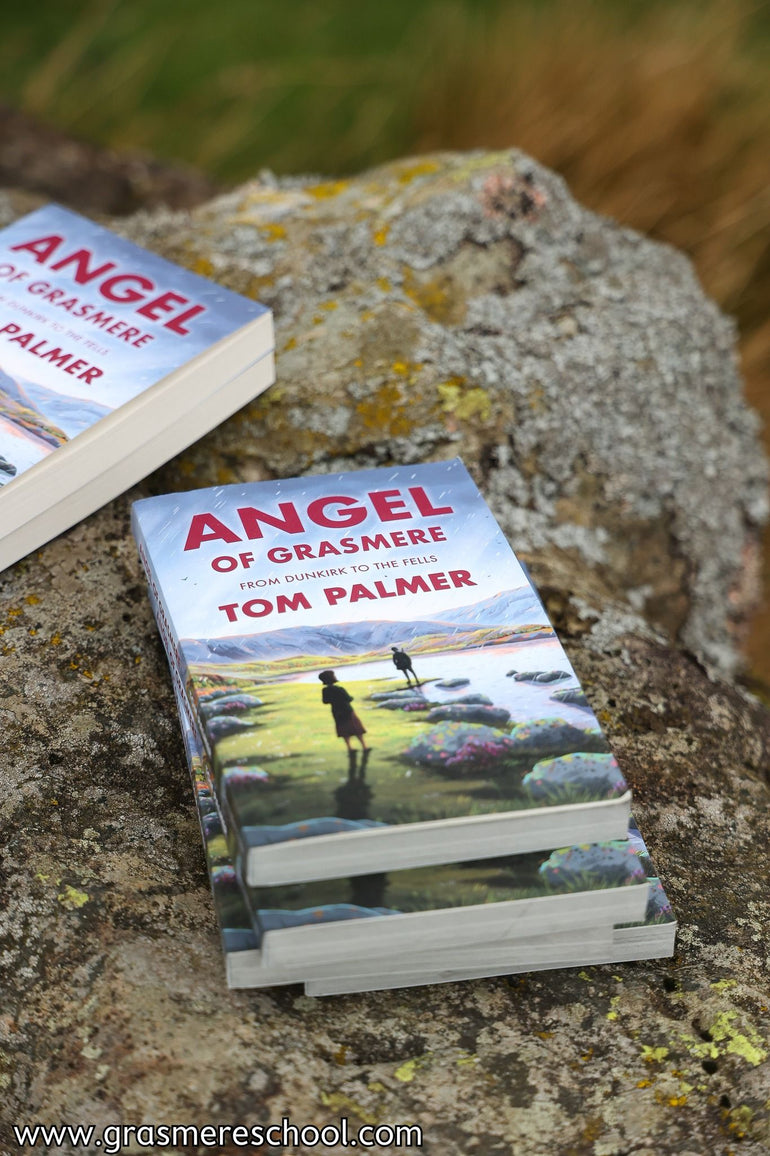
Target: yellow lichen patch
pixel 748 1044
pixel 612 1014
pixel 32 600
pixel 676 1101
pixel 738 1120
pixel 407 1071
pixel 381 235
pixel 56 639
pixel 327 306
pixel 340 1056
pixel 726 1038
pixel 724 984
pixel 326 189
pixel 464 403
pixel 203 266
pixel 473 164
pixel 72 899
pixel 290 344
pixel 545 1035
pixel 273 232
pixel 644 1083
pixel 419 169
pixel 653 1055
pixel 384 284
pixel 346 1106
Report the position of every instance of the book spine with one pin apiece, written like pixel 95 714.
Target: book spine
pixel 186 708
pixel 246 933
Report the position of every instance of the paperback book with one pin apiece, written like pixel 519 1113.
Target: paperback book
pixel 359 969
pixel 112 360
pixel 373 676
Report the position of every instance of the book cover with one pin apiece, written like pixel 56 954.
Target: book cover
pixel 88 321
pixel 366 657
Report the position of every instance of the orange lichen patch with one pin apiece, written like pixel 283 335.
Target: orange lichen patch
pixel 406 368
pixel 326 189
pixel 273 232
pixel 386 412
pixel 419 169
pixel 435 297
pixel 203 266
pixel 256 285
pixel 536 399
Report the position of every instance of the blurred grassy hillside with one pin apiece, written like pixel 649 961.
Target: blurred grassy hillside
pixel 656 111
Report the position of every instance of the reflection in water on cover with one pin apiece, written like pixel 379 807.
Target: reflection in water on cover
pixel 353 799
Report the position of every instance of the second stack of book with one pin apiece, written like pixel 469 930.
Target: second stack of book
pixel 398 775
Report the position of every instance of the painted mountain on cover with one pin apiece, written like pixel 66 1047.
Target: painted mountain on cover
pixel 88 321
pixel 365 649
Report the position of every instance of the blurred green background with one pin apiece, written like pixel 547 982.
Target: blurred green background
pixel 656 111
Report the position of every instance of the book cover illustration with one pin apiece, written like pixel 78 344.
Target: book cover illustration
pixel 365 649
pixel 87 322
pixel 243 917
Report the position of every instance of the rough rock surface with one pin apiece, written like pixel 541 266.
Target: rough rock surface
pixel 469 305
pixel 592 390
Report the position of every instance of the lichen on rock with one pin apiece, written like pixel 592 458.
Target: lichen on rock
pixel 448 305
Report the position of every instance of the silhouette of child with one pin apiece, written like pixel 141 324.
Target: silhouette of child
pixel 346 720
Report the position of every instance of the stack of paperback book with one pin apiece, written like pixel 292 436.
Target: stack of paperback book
pixel 398 776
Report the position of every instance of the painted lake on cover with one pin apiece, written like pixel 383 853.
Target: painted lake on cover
pixel 487 670
pixel 480 743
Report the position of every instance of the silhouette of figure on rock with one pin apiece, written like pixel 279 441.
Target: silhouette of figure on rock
pixel 403 662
